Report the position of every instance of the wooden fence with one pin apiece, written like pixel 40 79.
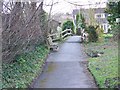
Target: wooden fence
pixel 61 35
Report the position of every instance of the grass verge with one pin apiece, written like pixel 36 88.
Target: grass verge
pixel 105 67
pixel 25 68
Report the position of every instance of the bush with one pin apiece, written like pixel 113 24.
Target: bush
pixel 93 36
pixel 24 69
pixel 99 32
pixel 107 35
pixel 68 25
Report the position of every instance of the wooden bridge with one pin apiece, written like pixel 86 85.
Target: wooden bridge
pixel 57 36
pixel 61 35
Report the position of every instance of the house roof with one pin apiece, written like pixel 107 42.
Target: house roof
pixel 86 13
pixel 96 10
pixel 99 10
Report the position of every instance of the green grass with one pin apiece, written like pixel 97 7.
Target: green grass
pixel 26 67
pixel 105 67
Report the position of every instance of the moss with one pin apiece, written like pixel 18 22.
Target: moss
pixel 51 67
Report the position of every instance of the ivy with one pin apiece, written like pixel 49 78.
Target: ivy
pixel 25 68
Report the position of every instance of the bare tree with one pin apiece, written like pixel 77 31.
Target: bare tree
pixel 50 12
pixel 22 28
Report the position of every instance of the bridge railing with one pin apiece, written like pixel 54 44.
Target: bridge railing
pixel 61 35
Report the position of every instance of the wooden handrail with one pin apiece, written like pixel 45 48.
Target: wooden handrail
pixel 63 34
pixel 66 30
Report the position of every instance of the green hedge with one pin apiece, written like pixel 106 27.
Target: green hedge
pixel 25 68
pixel 68 25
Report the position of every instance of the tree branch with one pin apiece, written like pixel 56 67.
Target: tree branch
pixel 7 7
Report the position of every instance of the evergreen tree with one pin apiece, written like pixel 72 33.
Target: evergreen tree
pixel 113 9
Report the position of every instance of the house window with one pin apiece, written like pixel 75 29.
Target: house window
pixel 106 15
pixel 103 15
pixel 97 15
pixel 105 28
pixel 100 15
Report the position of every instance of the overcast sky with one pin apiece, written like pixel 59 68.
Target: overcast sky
pixel 63 6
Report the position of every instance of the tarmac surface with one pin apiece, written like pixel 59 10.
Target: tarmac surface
pixel 66 68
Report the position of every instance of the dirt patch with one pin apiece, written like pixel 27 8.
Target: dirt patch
pixel 51 67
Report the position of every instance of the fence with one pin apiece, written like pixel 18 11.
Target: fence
pixel 61 35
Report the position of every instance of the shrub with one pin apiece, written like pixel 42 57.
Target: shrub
pixel 93 36
pixel 68 25
pixel 99 32
pixel 24 69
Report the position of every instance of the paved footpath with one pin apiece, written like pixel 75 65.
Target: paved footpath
pixel 63 68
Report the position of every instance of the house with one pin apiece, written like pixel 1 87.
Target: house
pixel 101 18
pixel 94 16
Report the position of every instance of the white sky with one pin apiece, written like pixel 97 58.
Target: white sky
pixel 63 6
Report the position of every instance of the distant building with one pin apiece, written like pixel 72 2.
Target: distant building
pixel 94 16
pixel 101 18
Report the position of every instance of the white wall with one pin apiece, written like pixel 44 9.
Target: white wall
pixel 105 27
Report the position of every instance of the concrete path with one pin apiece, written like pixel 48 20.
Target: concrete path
pixel 63 68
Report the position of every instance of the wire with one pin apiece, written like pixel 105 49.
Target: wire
pixel 97 3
